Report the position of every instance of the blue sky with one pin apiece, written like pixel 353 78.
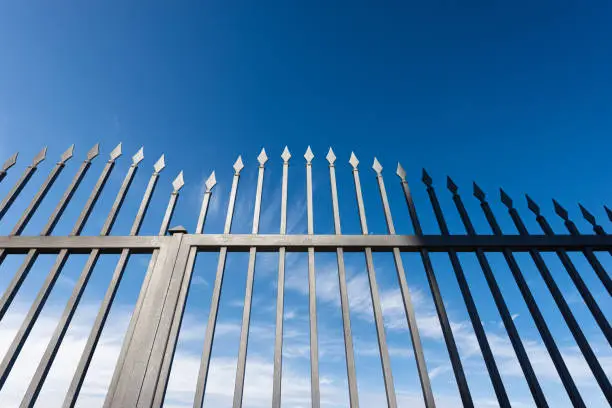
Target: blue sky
pixel 508 94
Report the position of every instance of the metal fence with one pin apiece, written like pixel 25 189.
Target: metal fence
pixel 143 368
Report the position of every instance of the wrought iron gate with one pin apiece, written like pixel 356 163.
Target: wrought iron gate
pixel 143 368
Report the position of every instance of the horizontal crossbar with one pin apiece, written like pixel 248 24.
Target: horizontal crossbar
pixel 321 243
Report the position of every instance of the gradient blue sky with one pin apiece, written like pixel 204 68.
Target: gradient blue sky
pixel 512 94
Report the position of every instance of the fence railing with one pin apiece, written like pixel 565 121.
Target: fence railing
pixel 143 368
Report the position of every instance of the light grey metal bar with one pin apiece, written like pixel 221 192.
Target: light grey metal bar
pixel 344 301
pixel 21 336
pixel 376 305
pixel 280 294
pixel 58 335
pixel 10 162
pixel 32 252
pixel 39 196
pixel 42 192
pixel 315 395
pixel 214 305
pixel 177 184
pixel 162 384
pixel 301 243
pixel 21 183
pixel 248 296
pixel 417 346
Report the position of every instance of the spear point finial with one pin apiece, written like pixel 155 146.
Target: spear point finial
pixel 560 211
pixel 137 158
pixel 331 157
pixel 505 198
pixel 178 182
pixel 263 157
pixel 211 181
pixel 67 154
pixel 450 184
pixel 116 152
pixel 286 155
pixel 40 156
pixel 377 166
pixel 401 173
pixel 532 205
pixel 159 164
pixel 587 215
pixel 10 162
pixel 426 178
pixel 478 193
pixel 238 165
pixel 308 155
pixel 93 152
pixel 353 161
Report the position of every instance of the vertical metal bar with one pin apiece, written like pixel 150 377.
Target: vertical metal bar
pixel 162 384
pixel 315 394
pixel 588 252
pixel 344 300
pixel 568 316
pixel 417 345
pixel 214 306
pixel 77 381
pixel 58 335
pixel 39 196
pixel 32 254
pixel 248 296
pixel 21 336
pixel 515 339
pixel 534 310
pixel 447 332
pixel 588 298
pixel 20 184
pixel 280 294
pixel 10 162
pixel 485 348
pixel 376 305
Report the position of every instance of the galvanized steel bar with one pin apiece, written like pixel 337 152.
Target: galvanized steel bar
pixel 62 326
pixel 23 332
pixel 21 183
pixel 248 296
pixel 481 337
pixel 162 383
pixel 280 290
pixel 64 322
pixel 214 305
pixel 344 300
pixel 315 394
pixel 506 316
pixel 568 316
pixel 449 339
pixel 583 289
pixel 376 304
pixel 534 310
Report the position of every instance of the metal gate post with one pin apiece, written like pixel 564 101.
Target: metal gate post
pixel 137 375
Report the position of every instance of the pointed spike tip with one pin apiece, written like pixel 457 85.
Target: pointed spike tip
pixel 505 198
pixel 263 157
pixel 532 205
pixel 238 165
pixel 450 184
pixel 40 156
pixel 159 164
pixel 10 162
pixel 308 155
pixel 401 173
pixel 211 181
pixel 137 158
pixel 286 155
pixel 478 193
pixel 93 152
pixel 331 157
pixel 377 166
pixel 353 160
pixel 116 152
pixel 608 211
pixel 426 178
pixel 587 215
pixel 178 182
pixel 559 210
pixel 67 154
